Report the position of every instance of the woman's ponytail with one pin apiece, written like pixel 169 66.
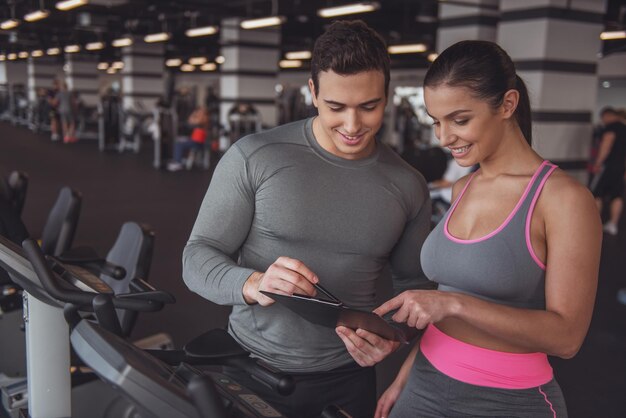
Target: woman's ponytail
pixel 522 113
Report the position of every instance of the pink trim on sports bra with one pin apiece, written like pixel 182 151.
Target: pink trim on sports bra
pixel 484 367
pixel 529 218
pixel 506 221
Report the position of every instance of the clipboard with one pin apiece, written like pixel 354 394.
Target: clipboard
pixel 333 313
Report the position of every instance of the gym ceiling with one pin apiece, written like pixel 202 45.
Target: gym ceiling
pixel 398 21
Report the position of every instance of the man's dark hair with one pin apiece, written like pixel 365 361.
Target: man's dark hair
pixel 349 47
pixel 608 110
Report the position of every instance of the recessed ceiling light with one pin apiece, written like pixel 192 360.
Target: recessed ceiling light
pixel 298 55
pixel 262 22
pixel 407 49
pixel 349 9
pixel 94 46
pixel 36 15
pixel 70 4
pixel 173 62
pixel 202 31
pixel 121 42
pixel 9 24
pixel 157 37
pixel 290 63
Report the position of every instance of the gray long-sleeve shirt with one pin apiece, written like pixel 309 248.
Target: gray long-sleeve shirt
pixel 279 193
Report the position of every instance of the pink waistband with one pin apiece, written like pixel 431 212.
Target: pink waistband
pixel 481 366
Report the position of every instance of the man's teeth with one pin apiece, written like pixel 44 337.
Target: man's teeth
pixel 459 150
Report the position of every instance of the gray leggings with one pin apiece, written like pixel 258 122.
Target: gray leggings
pixel 430 393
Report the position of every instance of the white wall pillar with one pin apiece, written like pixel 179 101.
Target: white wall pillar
pixel 554 44
pixel 82 76
pixel 250 72
pixel 471 19
pixel 143 74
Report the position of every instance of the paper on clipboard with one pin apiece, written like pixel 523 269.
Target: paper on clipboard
pixel 332 314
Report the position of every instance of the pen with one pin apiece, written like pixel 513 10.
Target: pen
pixel 327 293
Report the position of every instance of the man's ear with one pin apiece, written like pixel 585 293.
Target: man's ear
pixel 509 103
pixel 313 92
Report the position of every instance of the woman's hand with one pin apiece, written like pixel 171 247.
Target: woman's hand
pixel 388 399
pixel 418 308
pixel 366 348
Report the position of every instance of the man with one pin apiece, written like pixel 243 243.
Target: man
pixel 314 201
pixel 610 166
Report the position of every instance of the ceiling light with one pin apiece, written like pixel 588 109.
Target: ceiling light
pixel 406 49
pixel 70 4
pixel 173 62
pixel 290 63
pixel 118 65
pixel 262 22
pixel 94 46
pixel 197 60
pixel 103 65
pixel 203 31
pixel 9 24
pixel 3 57
pixel 37 53
pixel 298 55
pixel 220 59
pixel 36 15
pixel 157 37
pixel 12 56
pixel 118 43
pixel 187 67
pixel 616 34
pixel 209 66
pixel 349 9
pixel 23 54
pixel 432 56
pixel 70 49
pixel 53 51
pixel 111 70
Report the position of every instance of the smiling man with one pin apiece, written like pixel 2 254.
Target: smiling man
pixel 314 201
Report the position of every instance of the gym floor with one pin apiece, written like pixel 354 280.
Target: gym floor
pixel 124 187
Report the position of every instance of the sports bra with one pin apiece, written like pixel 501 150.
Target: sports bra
pixel 501 266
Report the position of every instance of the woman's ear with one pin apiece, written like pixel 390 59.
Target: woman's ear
pixel 509 103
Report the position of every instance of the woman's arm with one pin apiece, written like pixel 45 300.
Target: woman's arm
pixel 573 238
pixel 392 393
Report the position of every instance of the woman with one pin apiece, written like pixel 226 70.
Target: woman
pixel 516 257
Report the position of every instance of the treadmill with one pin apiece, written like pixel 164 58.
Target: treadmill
pixel 156 388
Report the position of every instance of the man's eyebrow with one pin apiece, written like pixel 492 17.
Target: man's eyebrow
pixel 367 103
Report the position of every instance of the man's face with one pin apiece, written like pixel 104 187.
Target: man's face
pixel 608 118
pixel 351 109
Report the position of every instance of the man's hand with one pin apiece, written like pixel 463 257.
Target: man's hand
pixel 366 348
pixel 285 276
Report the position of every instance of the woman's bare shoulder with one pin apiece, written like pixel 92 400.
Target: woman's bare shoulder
pixel 459 185
pixel 563 194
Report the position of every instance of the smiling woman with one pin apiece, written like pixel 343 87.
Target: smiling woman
pixel 517 268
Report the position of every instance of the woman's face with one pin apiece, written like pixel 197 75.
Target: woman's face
pixel 470 128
